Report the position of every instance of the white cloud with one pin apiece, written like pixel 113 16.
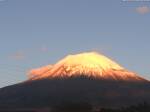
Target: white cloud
pixel 143 10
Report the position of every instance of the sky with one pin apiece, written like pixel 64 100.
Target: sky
pixel 34 33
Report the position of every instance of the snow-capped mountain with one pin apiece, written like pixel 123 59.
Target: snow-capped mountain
pixel 83 78
pixel 89 64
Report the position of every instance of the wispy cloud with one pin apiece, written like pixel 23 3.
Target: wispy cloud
pixel 18 56
pixel 143 10
pixel 43 48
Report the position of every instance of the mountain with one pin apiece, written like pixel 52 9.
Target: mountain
pixel 89 64
pixel 83 78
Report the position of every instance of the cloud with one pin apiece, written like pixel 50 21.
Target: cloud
pixel 35 73
pixel 143 10
pixel 18 56
pixel 44 48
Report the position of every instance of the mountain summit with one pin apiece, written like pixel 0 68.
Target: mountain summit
pixel 90 64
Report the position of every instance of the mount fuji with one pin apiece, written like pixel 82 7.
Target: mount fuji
pixel 87 77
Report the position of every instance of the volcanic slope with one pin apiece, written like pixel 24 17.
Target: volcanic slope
pixel 86 77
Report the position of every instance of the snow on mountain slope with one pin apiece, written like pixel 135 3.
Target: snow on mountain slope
pixel 90 64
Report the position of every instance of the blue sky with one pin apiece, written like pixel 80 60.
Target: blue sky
pixel 34 33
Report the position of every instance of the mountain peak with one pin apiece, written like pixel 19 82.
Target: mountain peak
pixel 90 60
pixel 89 64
